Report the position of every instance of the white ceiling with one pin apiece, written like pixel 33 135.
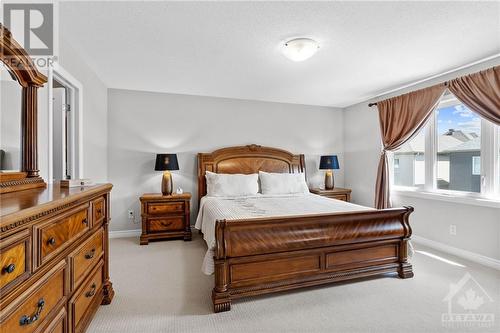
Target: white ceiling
pixel 232 49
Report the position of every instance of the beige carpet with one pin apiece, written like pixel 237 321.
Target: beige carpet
pixel 160 288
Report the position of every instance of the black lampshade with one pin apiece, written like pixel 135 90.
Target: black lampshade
pixel 329 162
pixel 166 162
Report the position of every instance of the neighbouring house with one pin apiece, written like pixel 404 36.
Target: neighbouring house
pixel 458 157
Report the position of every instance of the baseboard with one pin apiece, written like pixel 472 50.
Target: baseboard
pixel 125 233
pixel 472 256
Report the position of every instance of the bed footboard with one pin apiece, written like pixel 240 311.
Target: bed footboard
pixel 260 256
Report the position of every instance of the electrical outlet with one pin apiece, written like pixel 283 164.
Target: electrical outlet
pixel 131 217
pixel 453 229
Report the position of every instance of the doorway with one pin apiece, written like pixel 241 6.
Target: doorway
pixel 62 132
pixel 65 121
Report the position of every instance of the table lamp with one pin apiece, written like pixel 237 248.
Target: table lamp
pixel 166 163
pixel 329 163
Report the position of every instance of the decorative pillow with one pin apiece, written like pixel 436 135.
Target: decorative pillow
pixel 283 183
pixel 231 185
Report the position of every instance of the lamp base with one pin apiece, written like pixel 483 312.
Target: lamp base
pixel 166 183
pixel 329 183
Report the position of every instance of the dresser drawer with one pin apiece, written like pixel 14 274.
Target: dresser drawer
pixel 85 301
pixel 54 236
pixel 14 260
pixel 85 257
pixel 58 324
pixel 165 208
pixel 342 197
pixel 37 305
pixel 166 224
pixel 98 210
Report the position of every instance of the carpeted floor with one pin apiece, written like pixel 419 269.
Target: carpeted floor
pixel 160 288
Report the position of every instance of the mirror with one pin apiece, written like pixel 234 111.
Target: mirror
pixel 10 121
pixel 18 116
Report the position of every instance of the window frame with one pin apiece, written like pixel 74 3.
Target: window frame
pixel 490 166
pixel 475 161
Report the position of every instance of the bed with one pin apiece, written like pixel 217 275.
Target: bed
pixel 264 244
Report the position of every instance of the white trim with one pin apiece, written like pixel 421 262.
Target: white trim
pixel 63 76
pixel 125 233
pixel 487 158
pixel 472 256
pixel 431 162
pixel 50 115
pixel 449 196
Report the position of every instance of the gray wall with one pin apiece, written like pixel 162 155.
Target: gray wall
pixel 142 124
pixel 478 228
pixel 461 177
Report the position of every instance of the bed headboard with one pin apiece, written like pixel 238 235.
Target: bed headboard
pixel 247 159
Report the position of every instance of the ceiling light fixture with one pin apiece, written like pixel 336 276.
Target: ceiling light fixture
pixel 300 49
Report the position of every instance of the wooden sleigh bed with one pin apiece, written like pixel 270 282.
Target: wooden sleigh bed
pixel 265 255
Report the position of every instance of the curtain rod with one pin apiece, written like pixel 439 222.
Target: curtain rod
pixel 444 83
pixel 481 61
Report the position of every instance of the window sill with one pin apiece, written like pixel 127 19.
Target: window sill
pixel 468 199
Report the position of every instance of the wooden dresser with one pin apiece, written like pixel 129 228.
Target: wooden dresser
pixel 53 258
pixel 165 217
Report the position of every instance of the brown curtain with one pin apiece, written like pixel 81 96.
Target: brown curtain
pixel 400 119
pixel 480 92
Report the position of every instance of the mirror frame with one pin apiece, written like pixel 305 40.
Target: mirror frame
pixel 15 57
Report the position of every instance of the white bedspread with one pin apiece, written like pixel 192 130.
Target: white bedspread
pixel 234 208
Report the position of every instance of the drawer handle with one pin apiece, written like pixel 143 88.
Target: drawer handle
pixel 85 221
pixel 166 224
pixel 9 268
pixel 92 291
pixel 51 241
pixel 99 211
pixel 26 320
pixel 90 254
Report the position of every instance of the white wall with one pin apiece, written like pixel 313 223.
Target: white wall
pixel 478 228
pixel 95 118
pixel 95 126
pixel 142 124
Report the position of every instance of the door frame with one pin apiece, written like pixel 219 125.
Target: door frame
pixel 75 99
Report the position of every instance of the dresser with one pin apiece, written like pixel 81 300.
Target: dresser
pixel 335 193
pixel 165 217
pixel 54 258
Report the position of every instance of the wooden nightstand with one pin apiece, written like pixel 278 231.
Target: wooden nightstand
pixel 165 217
pixel 336 193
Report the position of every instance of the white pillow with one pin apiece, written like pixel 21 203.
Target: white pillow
pixel 283 183
pixel 231 185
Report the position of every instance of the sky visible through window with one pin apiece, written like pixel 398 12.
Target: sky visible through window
pixel 458 117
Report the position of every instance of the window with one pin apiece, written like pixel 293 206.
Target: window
pixel 409 162
pixel 458 134
pixel 476 165
pixel 457 151
pixel 396 163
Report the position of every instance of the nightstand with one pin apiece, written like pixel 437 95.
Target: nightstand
pixel 165 217
pixel 336 193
